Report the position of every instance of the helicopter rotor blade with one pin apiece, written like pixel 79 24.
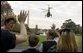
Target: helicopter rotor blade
pixel 43 9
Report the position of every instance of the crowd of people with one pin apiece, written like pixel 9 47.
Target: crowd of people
pixel 63 41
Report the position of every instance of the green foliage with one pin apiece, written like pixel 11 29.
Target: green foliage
pixel 42 38
pixel 2 21
pixel 5 7
pixel 78 34
pixel 71 25
pixel 53 27
pixel 16 28
pixel 28 29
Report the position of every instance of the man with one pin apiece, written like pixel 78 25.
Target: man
pixel 9 40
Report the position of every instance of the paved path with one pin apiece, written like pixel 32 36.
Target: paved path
pixel 18 48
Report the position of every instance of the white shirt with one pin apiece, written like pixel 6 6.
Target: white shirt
pixel 56 39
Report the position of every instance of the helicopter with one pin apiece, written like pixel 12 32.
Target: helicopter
pixel 48 12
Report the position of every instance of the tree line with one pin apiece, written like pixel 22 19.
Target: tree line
pixel 6 9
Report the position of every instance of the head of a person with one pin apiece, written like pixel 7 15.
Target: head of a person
pixel 51 34
pixel 67 42
pixel 33 40
pixel 10 22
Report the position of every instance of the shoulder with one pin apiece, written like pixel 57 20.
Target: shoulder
pixel 51 42
pixel 7 34
pixel 31 50
pixel 44 42
pixel 7 39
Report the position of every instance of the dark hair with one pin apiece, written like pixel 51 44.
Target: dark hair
pixel 9 19
pixel 63 30
pixel 33 40
pixel 52 33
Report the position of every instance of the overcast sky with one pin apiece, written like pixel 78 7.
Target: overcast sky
pixel 61 11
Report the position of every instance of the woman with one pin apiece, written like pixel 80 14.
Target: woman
pixel 67 42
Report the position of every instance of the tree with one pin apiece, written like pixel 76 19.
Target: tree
pixel 53 27
pixel 28 29
pixel 36 29
pixel 71 25
pixel 57 29
pixel 78 29
pixel 5 8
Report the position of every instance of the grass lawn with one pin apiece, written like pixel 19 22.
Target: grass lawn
pixel 78 40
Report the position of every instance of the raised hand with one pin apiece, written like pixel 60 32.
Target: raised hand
pixel 22 16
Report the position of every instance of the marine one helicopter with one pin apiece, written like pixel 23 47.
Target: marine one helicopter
pixel 48 11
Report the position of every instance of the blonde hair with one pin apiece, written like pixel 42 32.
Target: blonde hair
pixel 67 42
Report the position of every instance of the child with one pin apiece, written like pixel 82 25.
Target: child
pixel 50 44
pixel 33 41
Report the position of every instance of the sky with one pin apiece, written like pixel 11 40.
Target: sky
pixel 61 11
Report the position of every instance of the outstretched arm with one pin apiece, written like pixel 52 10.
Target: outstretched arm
pixel 22 37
